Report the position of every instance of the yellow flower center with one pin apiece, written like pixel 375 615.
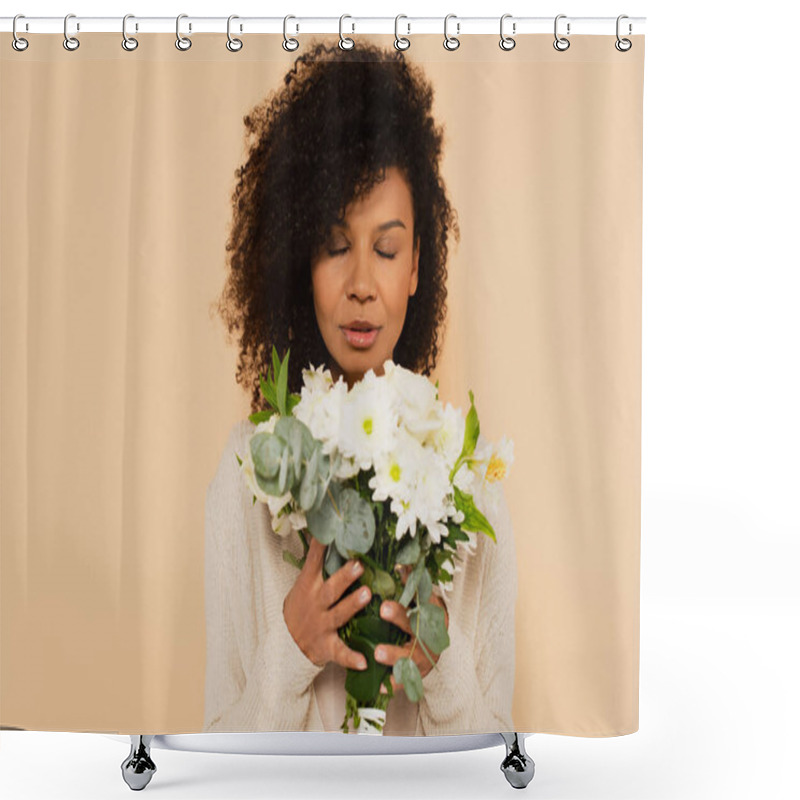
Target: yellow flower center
pixel 496 469
pixel 368 425
pixel 394 472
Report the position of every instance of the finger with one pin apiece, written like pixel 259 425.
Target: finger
pixel 316 552
pixel 347 657
pixel 396 614
pixel 347 608
pixel 337 584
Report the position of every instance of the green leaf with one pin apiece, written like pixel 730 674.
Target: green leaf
pixel 409 553
pixel 261 416
pixel 283 381
pixel 369 631
pixel 358 531
pixel 412 583
pixel 383 584
pixel 432 626
pixel 406 672
pixel 473 520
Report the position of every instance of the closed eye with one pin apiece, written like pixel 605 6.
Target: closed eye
pixel 388 256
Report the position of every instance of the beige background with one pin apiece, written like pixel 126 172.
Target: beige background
pixel 117 390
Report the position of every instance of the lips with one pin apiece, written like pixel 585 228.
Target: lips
pixel 360 333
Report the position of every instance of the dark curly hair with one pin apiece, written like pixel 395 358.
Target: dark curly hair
pixel 324 140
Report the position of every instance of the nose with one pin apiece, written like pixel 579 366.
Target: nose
pixel 361 282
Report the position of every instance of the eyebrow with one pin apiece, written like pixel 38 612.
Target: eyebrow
pixel 393 223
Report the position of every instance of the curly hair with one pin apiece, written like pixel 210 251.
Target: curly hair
pixel 320 142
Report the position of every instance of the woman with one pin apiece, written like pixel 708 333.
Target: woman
pixel 339 249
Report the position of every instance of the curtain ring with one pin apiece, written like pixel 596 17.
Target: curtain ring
pixel 506 42
pixel 18 43
pixel 128 42
pixel 400 42
pixel 451 42
pixel 345 42
pixel 182 42
pixel 560 42
pixel 619 43
pixel 234 45
pixel 289 43
pixel 70 42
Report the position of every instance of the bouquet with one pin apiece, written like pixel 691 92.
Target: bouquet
pixel 384 473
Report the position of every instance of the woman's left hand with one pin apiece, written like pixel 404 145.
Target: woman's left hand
pixel 396 613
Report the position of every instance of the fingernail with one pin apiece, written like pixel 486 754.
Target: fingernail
pixel 380 654
pixel 357 568
pixel 362 664
pixel 364 593
pixel 386 610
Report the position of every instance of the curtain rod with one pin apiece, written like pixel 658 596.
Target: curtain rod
pixel 456 26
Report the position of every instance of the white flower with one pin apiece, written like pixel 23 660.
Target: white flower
pixel 448 438
pixel 368 421
pixel 396 471
pixel 415 399
pixel 320 407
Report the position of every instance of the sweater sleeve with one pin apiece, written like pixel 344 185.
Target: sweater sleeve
pixel 257 678
pixel 470 689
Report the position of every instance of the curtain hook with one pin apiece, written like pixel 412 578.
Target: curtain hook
pixel 128 42
pixel 619 43
pixel 182 42
pixel 345 42
pixel 506 42
pixel 451 42
pixel 560 42
pixel 289 43
pixel 400 42
pixel 18 43
pixel 234 45
pixel 70 42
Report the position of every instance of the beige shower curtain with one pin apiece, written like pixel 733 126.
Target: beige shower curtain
pixel 117 380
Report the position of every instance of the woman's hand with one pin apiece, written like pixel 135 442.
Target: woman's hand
pixel 396 614
pixel 314 612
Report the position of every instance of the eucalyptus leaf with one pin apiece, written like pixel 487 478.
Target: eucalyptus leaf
pixel 326 521
pixel 432 626
pixel 411 583
pixel 409 552
pixel 383 584
pixel 283 474
pixel 358 531
pixel 308 487
pixel 406 672
pixel 425 587
pixel 333 561
pixel 266 451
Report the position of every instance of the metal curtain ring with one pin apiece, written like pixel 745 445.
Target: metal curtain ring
pixel 623 48
pixel 70 42
pixel 234 45
pixel 128 42
pixel 506 42
pixel 18 43
pixel 400 42
pixel 182 42
pixel 560 42
pixel 289 43
pixel 451 42
pixel 345 42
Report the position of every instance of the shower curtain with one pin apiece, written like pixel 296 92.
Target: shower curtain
pixel 270 314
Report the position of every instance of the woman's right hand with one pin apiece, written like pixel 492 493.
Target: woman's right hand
pixel 314 612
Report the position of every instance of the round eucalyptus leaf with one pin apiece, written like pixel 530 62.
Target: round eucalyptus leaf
pixel 266 450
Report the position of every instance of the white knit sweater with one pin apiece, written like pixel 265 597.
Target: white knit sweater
pixel 258 679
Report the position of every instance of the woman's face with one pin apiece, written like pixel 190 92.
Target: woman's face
pixel 363 276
